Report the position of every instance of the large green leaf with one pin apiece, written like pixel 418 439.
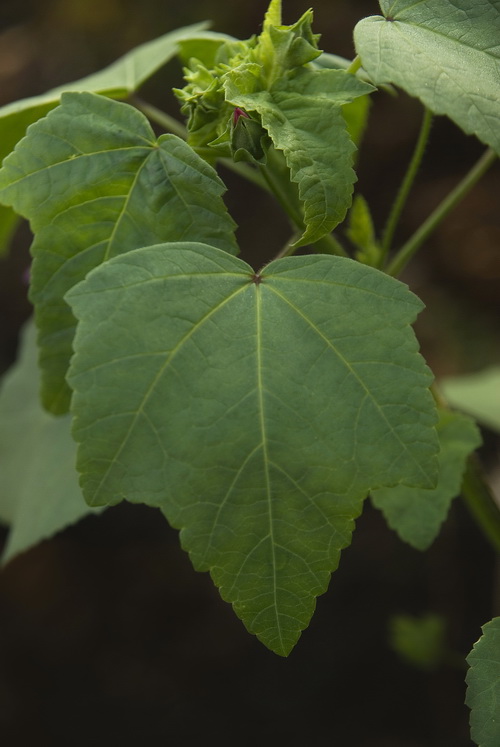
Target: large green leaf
pixel 416 514
pixel 477 394
pixel 483 686
pixel 445 53
pixel 39 491
pixel 303 115
pixel 96 190
pixel 255 411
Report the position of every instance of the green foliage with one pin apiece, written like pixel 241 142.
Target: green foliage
pixel 304 119
pixel 40 492
pixel 477 394
pixel 262 457
pixel 302 110
pixel 256 408
pixel 483 686
pixel 445 53
pixel 121 78
pixel 416 514
pixel 95 191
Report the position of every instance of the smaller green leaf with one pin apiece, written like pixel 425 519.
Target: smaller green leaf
pixel 445 53
pixel 416 514
pixel 303 116
pixel 476 394
pixel 39 492
pixel 483 686
pixel 419 641
pixel 101 189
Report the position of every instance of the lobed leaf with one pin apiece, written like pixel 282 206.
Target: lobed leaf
pixel 303 116
pixel 483 686
pixel 445 53
pixel 39 492
pixel 98 190
pixel 416 514
pixel 255 410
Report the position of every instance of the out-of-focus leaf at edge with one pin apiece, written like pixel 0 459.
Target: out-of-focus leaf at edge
pixel 257 417
pixel 476 394
pixel 39 490
pixel 416 514
pixel 118 80
pixel 483 686
pixel 445 53
pixel 420 641
pixel 203 48
pixel 97 190
pixel 356 118
pixel 303 116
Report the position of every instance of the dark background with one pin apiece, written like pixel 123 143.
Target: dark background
pixel 107 635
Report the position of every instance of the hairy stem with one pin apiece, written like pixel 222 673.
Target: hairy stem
pixel 406 184
pixel 436 217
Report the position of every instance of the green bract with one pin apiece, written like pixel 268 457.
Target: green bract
pixel 298 108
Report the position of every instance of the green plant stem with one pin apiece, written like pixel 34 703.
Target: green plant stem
pixel 177 128
pixel 276 186
pixel 159 117
pixel 406 184
pixel 355 65
pixel 481 503
pixel 413 244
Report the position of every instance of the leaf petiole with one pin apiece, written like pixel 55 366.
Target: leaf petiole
pixel 414 243
pixel 406 184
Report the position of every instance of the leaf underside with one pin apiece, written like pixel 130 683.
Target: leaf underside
pixel 416 514
pixel 483 686
pixel 445 53
pixel 98 190
pixel 256 412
